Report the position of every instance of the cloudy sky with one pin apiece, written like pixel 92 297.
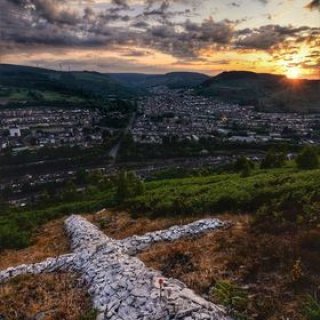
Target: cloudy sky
pixel 156 36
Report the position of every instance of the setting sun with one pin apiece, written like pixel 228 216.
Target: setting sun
pixel 293 73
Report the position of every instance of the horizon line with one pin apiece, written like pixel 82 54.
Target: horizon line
pixel 159 74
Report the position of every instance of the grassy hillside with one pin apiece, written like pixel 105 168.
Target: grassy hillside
pixel 264 266
pixel 17 226
pixel 174 80
pixel 265 91
pixel 16 95
pixel 284 189
pixel 21 83
pixel 278 196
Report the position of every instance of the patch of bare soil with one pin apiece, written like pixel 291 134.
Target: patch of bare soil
pixel 268 274
pixel 56 296
pixel 48 297
pixel 119 225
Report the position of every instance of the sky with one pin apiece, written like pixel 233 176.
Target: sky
pixel 159 36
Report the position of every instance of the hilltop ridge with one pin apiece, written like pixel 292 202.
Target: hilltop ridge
pixel 267 92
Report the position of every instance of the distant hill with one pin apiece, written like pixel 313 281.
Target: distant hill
pixel 173 80
pixel 29 83
pixel 265 91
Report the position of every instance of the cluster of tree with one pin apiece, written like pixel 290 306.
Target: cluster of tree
pixel 273 159
pixel 307 158
pixel 117 113
pixel 244 166
pixel 128 185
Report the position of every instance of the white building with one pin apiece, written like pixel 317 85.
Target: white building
pixel 15 132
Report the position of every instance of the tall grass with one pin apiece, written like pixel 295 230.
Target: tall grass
pixel 226 192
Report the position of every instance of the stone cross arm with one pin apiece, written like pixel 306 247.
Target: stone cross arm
pixel 121 286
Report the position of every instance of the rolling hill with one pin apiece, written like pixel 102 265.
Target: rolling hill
pixel 29 83
pixel 265 91
pixel 173 80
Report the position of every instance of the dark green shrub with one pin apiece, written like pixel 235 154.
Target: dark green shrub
pixel 308 159
pixel 128 185
pixel 89 315
pixel 13 238
pixel 244 166
pixel 312 308
pixel 273 159
pixel 232 296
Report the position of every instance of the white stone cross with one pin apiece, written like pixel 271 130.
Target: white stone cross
pixel 121 286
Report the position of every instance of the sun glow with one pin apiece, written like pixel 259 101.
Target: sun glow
pixel 293 73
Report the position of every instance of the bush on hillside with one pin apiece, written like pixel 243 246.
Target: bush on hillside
pixel 312 308
pixel 308 159
pixel 128 185
pixel 244 166
pixel 232 296
pixel 273 159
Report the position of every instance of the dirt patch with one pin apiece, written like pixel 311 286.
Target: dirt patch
pixel 273 272
pixel 49 241
pixel 47 297
pixel 120 225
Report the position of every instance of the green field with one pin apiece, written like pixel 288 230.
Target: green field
pixel 17 226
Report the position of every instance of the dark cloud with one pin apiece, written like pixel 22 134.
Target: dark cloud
pixel 21 3
pixel 123 4
pixel 135 53
pixel 46 24
pixel 210 31
pixel 53 11
pixel 313 5
pixel 235 4
pixel 266 37
pixel 140 24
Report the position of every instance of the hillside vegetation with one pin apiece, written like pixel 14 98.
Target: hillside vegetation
pixel 278 197
pixel 23 84
pixel 29 84
pixel 286 189
pixel 264 266
pixel 265 91
pixel 173 80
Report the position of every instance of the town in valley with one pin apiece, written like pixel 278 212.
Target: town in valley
pixel 165 116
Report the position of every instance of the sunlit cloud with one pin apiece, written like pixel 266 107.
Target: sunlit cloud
pixel 163 35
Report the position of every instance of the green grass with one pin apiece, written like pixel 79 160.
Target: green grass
pixel 233 297
pixel 16 226
pixel 278 194
pixel 226 192
pixel 21 94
